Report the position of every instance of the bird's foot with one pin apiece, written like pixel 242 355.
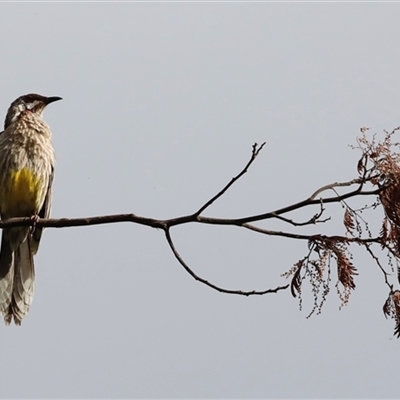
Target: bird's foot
pixel 35 218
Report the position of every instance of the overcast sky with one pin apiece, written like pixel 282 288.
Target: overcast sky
pixel 162 103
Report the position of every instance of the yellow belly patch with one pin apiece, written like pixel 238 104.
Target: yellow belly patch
pixel 20 194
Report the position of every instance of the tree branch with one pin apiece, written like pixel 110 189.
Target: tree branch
pixel 211 285
pixel 255 152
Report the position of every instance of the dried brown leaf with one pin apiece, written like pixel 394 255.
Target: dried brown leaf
pixel 396 304
pixel 397 330
pixel 295 285
pixel 374 181
pixel 348 221
pixel 398 273
pixel 346 270
pixel 387 307
pixel 390 199
pixel 391 308
pixel 383 233
pixel 360 165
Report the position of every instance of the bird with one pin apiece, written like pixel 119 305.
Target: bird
pixel 26 176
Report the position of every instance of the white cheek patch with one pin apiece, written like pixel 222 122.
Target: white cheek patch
pixel 30 106
pixel 19 109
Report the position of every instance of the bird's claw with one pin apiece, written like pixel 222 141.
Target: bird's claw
pixel 34 218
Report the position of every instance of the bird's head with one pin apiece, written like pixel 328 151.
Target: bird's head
pixel 34 103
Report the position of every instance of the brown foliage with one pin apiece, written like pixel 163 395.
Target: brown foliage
pixel 317 271
pixel 379 166
pixel 391 308
pixel 348 221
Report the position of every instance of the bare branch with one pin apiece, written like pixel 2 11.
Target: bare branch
pixel 378 263
pixel 160 224
pixel 255 152
pixel 277 233
pixel 87 221
pixel 211 285
pixel 312 221
pixel 357 181
pixel 313 237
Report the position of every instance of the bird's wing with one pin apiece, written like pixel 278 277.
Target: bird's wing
pixel 43 213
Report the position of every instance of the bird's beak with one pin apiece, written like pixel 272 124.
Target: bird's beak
pixel 52 99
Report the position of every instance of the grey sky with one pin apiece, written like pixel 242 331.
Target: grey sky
pixel 162 103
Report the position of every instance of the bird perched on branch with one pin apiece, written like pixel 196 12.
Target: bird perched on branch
pixel 26 177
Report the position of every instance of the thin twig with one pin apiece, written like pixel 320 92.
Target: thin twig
pixel 315 236
pixel 385 274
pixel 255 152
pixel 211 285
pixel 333 185
pixel 312 221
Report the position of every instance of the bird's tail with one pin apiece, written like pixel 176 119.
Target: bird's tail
pixel 6 277
pixel 17 280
